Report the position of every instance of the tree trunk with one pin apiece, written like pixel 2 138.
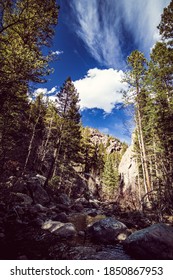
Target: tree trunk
pixel 31 142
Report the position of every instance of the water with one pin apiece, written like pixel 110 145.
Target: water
pixel 82 248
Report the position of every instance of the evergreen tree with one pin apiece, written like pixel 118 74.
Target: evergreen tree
pixel 25 27
pixel 136 80
pixel 110 176
pixel 14 131
pixel 161 114
pixel 67 146
pixel 166 25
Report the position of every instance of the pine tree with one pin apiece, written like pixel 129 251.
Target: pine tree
pixel 25 27
pixel 13 130
pixel 135 78
pixel 161 115
pixel 166 25
pixel 67 145
pixel 110 176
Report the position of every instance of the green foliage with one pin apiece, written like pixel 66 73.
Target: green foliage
pixel 153 99
pixel 166 25
pixel 110 176
pixel 68 110
pixel 25 27
pixel 65 149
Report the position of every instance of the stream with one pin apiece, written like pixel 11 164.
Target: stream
pixel 82 248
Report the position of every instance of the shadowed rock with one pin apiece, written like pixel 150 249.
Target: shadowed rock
pixel 154 242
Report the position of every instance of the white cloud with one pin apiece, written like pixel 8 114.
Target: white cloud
pixel 106 27
pixel 100 89
pixel 57 52
pixel 44 91
pixel 39 91
pixel 54 89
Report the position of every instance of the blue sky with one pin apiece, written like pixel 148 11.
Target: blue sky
pixel 92 40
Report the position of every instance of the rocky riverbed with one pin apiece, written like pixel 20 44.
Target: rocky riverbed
pixel 35 224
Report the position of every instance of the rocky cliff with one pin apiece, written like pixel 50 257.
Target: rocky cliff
pixel 102 177
pixel 110 143
pixel 128 169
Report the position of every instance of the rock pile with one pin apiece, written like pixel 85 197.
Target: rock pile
pixel 35 224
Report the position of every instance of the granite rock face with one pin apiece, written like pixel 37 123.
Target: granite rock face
pixel 110 143
pixel 128 169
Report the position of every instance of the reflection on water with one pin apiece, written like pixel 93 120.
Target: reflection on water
pixel 81 221
pixel 82 247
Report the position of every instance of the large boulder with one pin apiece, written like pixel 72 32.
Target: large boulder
pixel 23 199
pixel 38 193
pixel 154 242
pixel 106 230
pixel 63 199
pixel 62 230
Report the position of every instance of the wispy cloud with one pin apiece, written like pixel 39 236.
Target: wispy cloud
pixel 110 28
pixel 100 89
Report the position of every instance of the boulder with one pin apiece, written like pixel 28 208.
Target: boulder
pixel 20 185
pixel 61 217
pixel 41 178
pixel 154 242
pixel 40 208
pixel 94 203
pixel 81 200
pixel 63 199
pixel 62 230
pixel 24 199
pixel 106 230
pixel 35 187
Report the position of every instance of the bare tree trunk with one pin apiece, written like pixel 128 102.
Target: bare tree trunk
pixel 47 140
pixel 142 159
pixel 58 144
pixel 31 142
pixel 144 156
pixel 63 168
pixel 139 187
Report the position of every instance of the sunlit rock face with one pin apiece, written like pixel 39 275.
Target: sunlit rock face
pixel 110 143
pixel 128 169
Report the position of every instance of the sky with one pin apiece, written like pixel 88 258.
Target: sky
pixel 92 41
